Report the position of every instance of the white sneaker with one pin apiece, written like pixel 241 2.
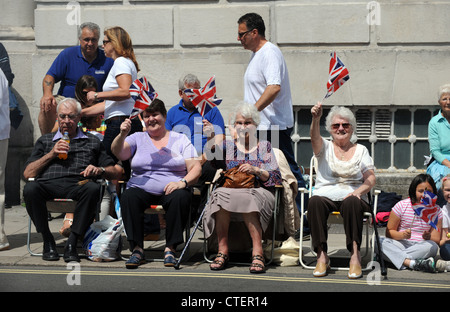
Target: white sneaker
pixel 442 265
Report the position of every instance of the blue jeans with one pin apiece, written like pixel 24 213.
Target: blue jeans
pixel 444 251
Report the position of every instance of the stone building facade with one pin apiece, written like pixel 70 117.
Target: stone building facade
pixel 397 53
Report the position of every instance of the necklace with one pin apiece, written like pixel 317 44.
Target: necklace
pixel 343 150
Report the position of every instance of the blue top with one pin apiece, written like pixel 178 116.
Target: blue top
pixel 70 65
pixel 179 119
pixel 439 138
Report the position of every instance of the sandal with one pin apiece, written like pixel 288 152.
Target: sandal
pixel 169 259
pixel 65 231
pixel 222 263
pixel 137 258
pixel 257 268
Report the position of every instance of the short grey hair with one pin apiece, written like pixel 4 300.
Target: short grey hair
pixel 443 90
pixel 189 79
pixel 343 112
pixel 91 26
pixel 247 111
pixel 67 102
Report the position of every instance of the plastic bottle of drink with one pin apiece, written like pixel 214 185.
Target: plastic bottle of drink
pixel 67 139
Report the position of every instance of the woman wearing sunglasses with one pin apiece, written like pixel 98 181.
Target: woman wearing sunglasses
pixel 345 174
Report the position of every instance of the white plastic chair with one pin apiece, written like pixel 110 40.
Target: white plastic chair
pixel 336 218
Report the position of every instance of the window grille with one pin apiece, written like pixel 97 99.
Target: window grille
pixel 396 137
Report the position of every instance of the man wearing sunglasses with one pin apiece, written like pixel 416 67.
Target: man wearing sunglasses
pixel 66 178
pixel 67 68
pixel 266 85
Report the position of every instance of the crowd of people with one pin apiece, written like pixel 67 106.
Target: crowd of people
pixel 162 154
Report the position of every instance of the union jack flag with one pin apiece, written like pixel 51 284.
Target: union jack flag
pixel 204 99
pixel 427 209
pixel 143 94
pixel 337 76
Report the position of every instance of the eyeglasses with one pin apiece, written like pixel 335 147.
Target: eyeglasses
pixel 242 34
pixel 106 41
pixel 71 116
pixel 338 125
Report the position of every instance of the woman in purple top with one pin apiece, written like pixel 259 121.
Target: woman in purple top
pixel 255 205
pixel 164 164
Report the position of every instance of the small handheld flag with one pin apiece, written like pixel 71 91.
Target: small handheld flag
pixel 204 99
pixel 427 209
pixel 143 93
pixel 338 75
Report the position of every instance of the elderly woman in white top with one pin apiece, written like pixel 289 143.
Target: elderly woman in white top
pixel 345 175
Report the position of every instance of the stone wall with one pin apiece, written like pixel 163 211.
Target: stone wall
pixel 396 51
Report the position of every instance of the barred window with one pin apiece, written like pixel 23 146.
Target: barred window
pixel 396 137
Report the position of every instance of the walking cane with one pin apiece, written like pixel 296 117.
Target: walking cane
pixel 177 265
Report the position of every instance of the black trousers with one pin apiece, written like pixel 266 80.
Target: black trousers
pixel 36 193
pixel 352 211
pixel 112 130
pixel 177 204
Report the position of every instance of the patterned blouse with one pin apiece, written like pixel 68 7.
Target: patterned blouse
pixel 262 157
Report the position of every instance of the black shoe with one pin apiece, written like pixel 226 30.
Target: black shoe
pixel 70 253
pixel 49 253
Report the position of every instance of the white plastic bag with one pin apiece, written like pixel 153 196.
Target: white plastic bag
pixel 284 255
pixel 102 241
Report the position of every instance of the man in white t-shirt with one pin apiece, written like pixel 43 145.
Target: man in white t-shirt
pixel 266 84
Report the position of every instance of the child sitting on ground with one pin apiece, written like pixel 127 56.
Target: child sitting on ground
pixel 410 242
pixel 444 251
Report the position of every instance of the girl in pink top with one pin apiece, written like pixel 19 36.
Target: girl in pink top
pixel 410 242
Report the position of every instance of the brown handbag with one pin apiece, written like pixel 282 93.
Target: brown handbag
pixel 232 178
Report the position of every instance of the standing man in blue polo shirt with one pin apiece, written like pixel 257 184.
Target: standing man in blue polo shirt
pixel 185 118
pixel 68 67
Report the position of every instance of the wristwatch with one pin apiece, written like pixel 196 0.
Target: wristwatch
pixel 185 182
pixel 103 170
pixel 95 96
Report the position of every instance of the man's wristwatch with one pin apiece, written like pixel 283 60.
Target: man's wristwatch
pixel 185 182
pixel 95 96
pixel 103 170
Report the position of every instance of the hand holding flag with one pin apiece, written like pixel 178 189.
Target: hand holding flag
pixel 204 99
pixel 143 93
pixel 427 209
pixel 337 76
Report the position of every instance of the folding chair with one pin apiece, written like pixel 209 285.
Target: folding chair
pixel 63 205
pixel 336 218
pixel 275 214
